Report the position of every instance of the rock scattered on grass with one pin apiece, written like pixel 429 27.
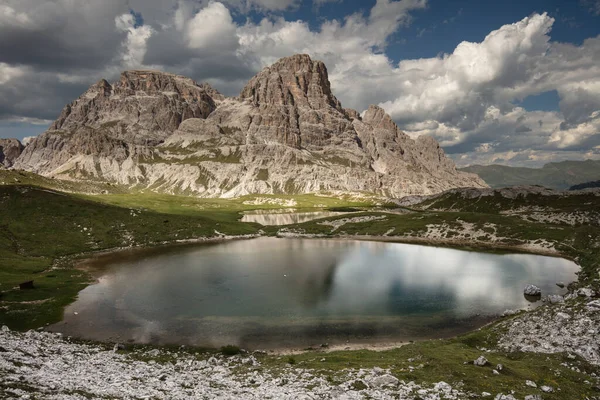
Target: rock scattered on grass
pixel 481 361
pixel 547 389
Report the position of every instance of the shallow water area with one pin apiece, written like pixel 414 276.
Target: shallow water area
pixel 271 293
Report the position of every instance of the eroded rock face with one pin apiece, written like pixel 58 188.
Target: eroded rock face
pixel 285 133
pixel 10 150
pixel 142 106
pixel 295 106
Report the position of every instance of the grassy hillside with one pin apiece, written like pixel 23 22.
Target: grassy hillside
pixel 587 203
pixel 19 178
pixel 561 175
pixel 41 230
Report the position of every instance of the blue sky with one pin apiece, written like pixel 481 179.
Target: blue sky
pixel 444 24
pixel 509 82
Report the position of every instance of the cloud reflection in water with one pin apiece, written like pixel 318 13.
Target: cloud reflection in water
pixel 298 291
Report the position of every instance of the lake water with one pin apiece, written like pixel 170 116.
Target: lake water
pixel 295 293
pixel 286 218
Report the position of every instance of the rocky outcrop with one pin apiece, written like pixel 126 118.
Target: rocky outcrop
pixel 142 107
pixel 10 150
pixel 295 106
pixel 285 133
pixel 566 327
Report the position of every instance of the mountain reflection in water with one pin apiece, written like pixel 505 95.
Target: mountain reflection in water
pixel 270 292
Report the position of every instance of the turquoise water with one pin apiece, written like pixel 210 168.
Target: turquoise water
pixel 272 293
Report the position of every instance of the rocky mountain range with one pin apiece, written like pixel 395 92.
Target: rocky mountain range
pixel 285 133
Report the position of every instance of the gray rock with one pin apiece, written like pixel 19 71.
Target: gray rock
pixel 481 361
pixel 560 284
pixel 586 292
pixel 5 328
pixel 443 387
pixel 555 299
pixel 118 346
pixel 501 396
pixel 593 305
pixel 562 317
pixel 384 380
pixel 10 150
pixel 547 389
pixel 533 397
pixel 532 290
pixel 530 384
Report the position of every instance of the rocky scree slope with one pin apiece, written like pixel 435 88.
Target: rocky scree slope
pixel 285 133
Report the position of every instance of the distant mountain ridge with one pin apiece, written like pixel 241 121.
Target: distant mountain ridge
pixel 285 133
pixel 556 175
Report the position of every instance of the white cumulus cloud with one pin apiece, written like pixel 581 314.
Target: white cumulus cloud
pixel 212 28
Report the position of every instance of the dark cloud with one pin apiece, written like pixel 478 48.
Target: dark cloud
pixel 37 95
pixel 57 36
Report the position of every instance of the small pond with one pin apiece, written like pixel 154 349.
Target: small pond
pixel 287 218
pixel 294 293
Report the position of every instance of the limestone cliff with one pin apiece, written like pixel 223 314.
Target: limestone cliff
pixel 10 150
pixel 285 133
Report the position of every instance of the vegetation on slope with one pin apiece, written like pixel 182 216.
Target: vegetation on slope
pixel 497 203
pixel 40 227
pixel 19 178
pixel 560 175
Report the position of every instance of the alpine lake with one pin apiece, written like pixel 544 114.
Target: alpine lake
pixel 289 293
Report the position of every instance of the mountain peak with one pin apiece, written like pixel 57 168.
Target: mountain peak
pixel 296 60
pixel 293 81
pixel 162 101
pixel 378 118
